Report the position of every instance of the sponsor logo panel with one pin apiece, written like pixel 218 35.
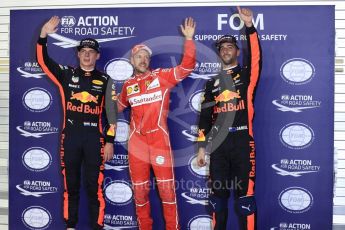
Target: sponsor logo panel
pixel 234 23
pixel 36 218
pixel 297 71
pixel 122 131
pixel 295 200
pixel 106 27
pixel 292 226
pixel 36 188
pixel 119 69
pixel 296 103
pixel 118 193
pixel 133 89
pixel 36 129
pixel 195 101
pixel 197 196
pixel 295 167
pixel 154 84
pixel 296 135
pixel 201 172
pixel 146 98
pixel 31 70
pixel 206 70
pixel 123 221
pixel 192 134
pixel 37 100
pixel 36 159
pixel 200 222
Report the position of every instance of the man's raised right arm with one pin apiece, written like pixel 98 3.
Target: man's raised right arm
pixel 49 66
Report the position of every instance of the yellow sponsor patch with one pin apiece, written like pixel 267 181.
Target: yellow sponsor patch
pixel 132 89
pixel 111 131
pixel 97 82
pixel 201 136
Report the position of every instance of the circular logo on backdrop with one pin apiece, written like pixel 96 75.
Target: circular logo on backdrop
pixel 118 193
pixel 68 21
pixel 195 101
pixel 36 159
pixel 122 131
pixel 202 172
pixel 296 135
pixel 200 222
pixel 119 69
pixel 37 100
pixel 295 200
pixel 297 71
pixel 36 218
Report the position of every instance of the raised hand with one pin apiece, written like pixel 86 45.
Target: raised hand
pixel 50 26
pixel 246 15
pixel 188 29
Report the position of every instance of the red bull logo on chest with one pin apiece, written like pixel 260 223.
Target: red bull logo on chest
pixel 230 107
pixel 83 108
pixel 84 97
pixel 227 95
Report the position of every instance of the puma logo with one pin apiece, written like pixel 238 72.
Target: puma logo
pixel 213 204
pixel 248 208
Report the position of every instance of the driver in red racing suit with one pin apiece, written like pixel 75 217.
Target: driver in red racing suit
pixel 148 93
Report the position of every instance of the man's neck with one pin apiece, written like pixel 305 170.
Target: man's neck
pixel 227 67
pixel 87 69
pixel 230 66
pixel 137 73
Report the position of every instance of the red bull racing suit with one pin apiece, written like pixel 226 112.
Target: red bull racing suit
pixel 226 118
pixel 83 96
pixel 149 145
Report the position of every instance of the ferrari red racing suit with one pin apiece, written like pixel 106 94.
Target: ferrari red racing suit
pixel 149 145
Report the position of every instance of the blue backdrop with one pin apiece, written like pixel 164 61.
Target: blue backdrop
pixel 293 124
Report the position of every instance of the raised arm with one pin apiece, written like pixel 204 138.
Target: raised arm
pixel 254 61
pixel 172 76
pixel 50 27
pixel 246 16
pixel 188 29
pixel 254 56
pixel 53 70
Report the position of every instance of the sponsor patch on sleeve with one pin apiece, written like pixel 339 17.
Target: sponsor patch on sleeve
pixel 133 89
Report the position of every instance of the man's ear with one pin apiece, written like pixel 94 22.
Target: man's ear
pixel 98 56
pixel 238 52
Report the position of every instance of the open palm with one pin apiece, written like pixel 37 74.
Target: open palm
pixel 50 26
pixel 246 15
pixel 188 29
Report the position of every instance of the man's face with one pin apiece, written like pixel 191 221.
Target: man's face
pixel 88 57
pixel 141 61
pixel 228 52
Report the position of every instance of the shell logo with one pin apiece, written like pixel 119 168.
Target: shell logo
pixel 97 82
